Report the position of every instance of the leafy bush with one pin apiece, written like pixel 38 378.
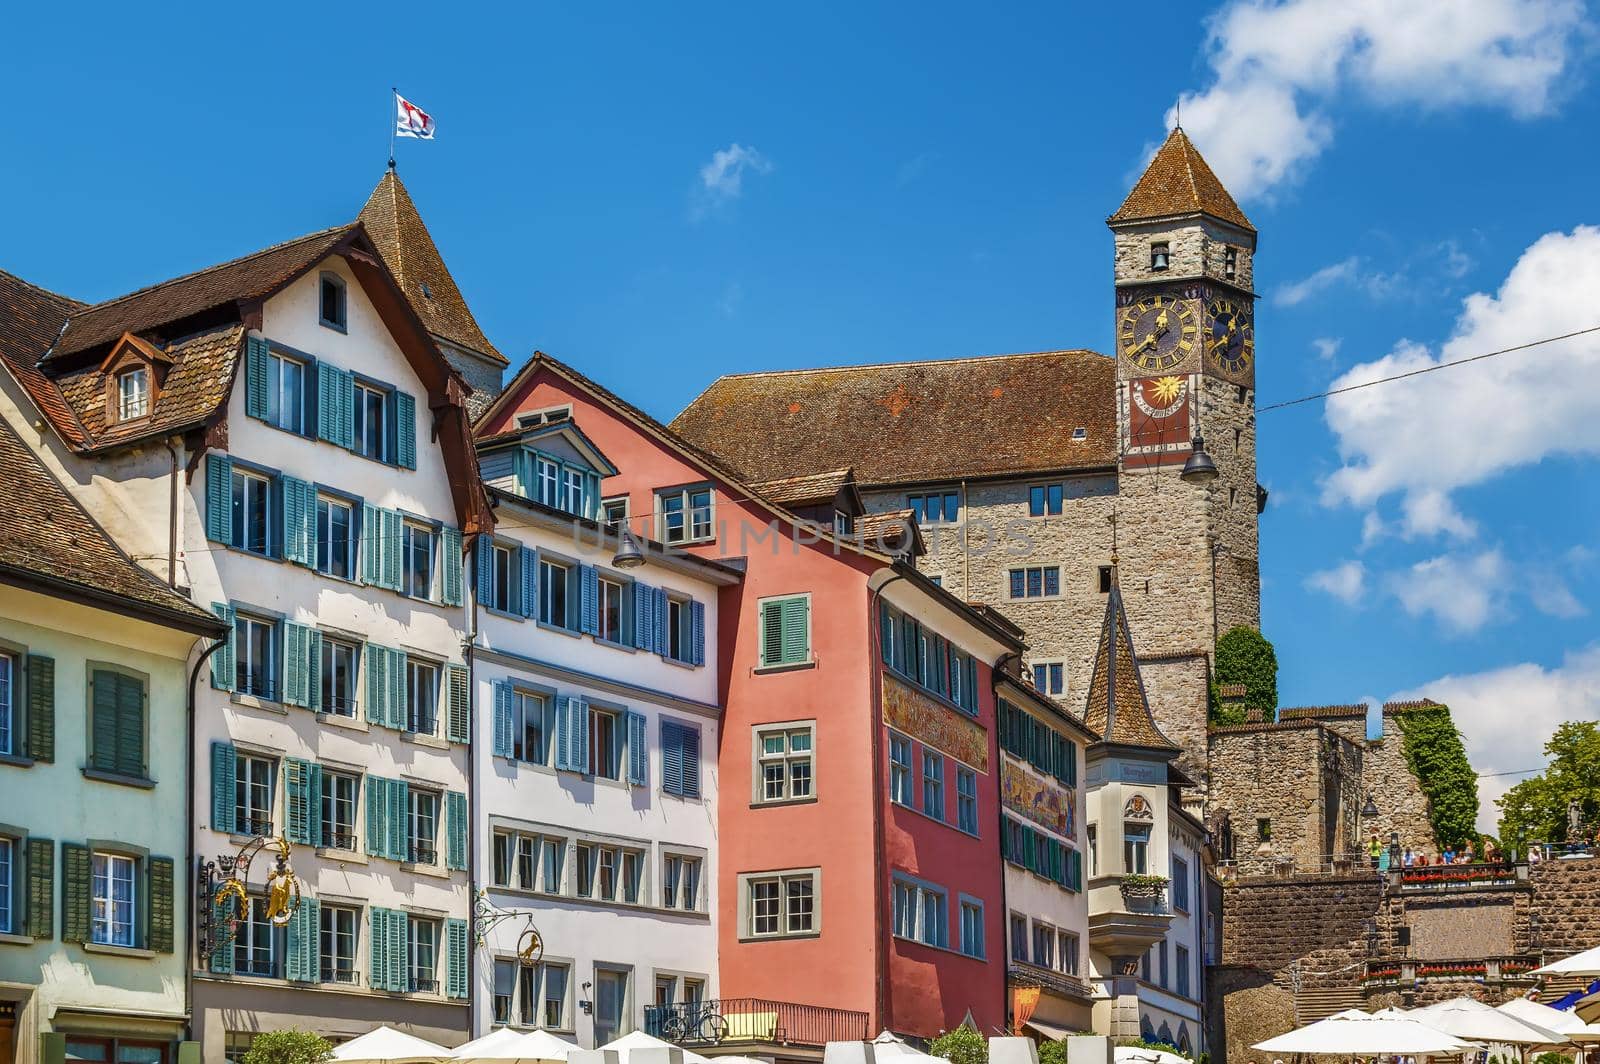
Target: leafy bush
pixel 961 1046
pixel 1438 760
pixel 1535 810
pixel 1246 656
pixel 1056 1052
pixel 288 1047
pixel 1552 1058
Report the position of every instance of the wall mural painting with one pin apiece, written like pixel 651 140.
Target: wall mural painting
pixel 1030 796
pixel 915 714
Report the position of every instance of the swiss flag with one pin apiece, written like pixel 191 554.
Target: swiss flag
pixel 411 120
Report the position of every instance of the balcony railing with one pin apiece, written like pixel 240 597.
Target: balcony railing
pixel 754 1020
pixel 342 972
pixel 1458 876
pixel 424 854
pixel 338 840
pixel 1381 975
pixel 420 985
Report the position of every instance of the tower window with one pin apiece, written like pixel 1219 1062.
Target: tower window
pixel 1159 255
pixel 1230 263
pixel 1105 579
pixel 331 301
pixel 1080 433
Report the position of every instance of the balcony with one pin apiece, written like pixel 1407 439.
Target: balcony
pixel 754 1021
pixel 1127 914
pixel 1020 973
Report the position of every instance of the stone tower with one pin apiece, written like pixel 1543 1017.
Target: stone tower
pixel 1185 353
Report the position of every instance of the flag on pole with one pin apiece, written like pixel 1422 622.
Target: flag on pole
pixel 411 120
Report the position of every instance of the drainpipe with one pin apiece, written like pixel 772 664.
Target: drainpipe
pixel 879 857
pixel 469 596
pixel 189 958
pixel 172 516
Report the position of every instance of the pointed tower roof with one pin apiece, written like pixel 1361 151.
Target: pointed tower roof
pixel 1178 181
pixel 411 255
pixel 1118 708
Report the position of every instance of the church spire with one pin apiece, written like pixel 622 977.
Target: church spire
pixel 1178 182
pixel 1117 707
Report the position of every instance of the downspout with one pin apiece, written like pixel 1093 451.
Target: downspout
pixel 879 857
pixel 469 596
pixel 172 517
pixel 189 958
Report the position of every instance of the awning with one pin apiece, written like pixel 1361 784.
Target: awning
pixel 1049 1030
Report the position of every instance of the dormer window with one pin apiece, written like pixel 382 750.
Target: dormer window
pixel 1160 255
pixel 549 415
pixel 133 393
pixel 843 523
pixel 1230 263
pixel 331 304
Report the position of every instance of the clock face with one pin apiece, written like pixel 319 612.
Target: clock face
pixel 1231 342
pixel 1157 333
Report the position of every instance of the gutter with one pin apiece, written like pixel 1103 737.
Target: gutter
pixel 189 958
pixel 469 597
pixel 111 602
pixel 880 962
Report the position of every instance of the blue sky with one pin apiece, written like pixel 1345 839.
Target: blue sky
pixel 920 181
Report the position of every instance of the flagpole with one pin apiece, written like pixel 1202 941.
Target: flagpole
pixel 393 110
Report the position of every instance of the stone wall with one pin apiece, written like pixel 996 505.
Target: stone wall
pixel 1194 248
pixel 1402 807
pixel 1566 897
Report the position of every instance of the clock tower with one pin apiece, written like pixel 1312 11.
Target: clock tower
pixel 1185 354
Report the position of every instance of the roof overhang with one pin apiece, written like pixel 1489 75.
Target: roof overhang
pixel 567 430
pixel 97 598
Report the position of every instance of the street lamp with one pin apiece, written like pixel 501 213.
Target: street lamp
pixel 629 554
pixel 1369 810
pixel 1199 469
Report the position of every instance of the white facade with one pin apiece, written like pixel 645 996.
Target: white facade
pixel 583 831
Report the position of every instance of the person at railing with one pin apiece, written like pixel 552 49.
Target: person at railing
pixel 1408 858
pixel 1375 850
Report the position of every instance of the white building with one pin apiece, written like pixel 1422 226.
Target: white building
pixel 595 755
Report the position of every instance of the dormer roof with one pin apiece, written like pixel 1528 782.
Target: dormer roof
pixel 539 436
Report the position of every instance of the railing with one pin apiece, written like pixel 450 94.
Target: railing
pixel 338 840
pixel 419 985
pixel 257 684
pixel 343 972
pixel 253 825
pixel 1457 876
pixel 423 853
pixel 1382 975
pixel 1026 973
pixel 754 1020
pixel 339 705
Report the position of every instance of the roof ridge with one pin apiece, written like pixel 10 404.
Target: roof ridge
pixel 42 290
pixel 912 362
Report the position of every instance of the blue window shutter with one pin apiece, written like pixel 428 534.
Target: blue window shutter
pixel 377 684
pixel 638 751
pixel 377 819
pixel 314 668
pixel 530 582
pixel 378 949
pixel 580 733
pixel 399 807
pixel 503 728
pixel 458 709
pixel 697 633
pixel 328 404
pixel 563 732
pixel 397 950
pixel 393 540
pixel 671 759
pixel 483 565
pixel 659 608
pixel 589 599
pixel 450 560
pixel 255 377
pixel 682 744
pixel 455 981
pixel 405 415
pixel 455 816
pixel 295 678
pixel 395 702
pixel 371 545
pixel 223 662
pixel 223 768
pixel 219 498
pixel 297 515
pixel 643 628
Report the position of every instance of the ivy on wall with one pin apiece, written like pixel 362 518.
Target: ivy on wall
pixel 1438 760
pixel 1245 656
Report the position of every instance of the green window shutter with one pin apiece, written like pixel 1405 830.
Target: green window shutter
pixel 371 545
pixel 131 702
pixel 455 981
pixel 377 817
pixel 103 692
pixel 223 662
pixel 219 498
pixel 459 722
pixel 299 521
pixel 396 701
pixel 224 766
pixel 159 880
pixel 41 735
pixel 314 668
pixel 301 812
pixel 405 416
pixel 450 562
pixel 76 893
pixel 41 888
pixel 398 808
pixel 300 960
pixel 378 949
pixel 335 405
pixel 397 949
pixel 771 633
pixel 377 670
pixel 455 808
pixel 796 630
pixel 393 533
pixel 255 376
pixel 297 663
pixel 221 959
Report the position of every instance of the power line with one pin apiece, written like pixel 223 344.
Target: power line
pixel 1425 369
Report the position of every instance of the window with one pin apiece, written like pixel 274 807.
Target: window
pixel 256 943
pixel 611 612
pixel 338 811
pixel 547 481
pixel 422 947
pixel 967 800
pixel 418 554
pixel 585 858
pixel 843 523
pixel 632 872
pixel 1070 948
pixel 785 630
pixel 255 654
pixel 8 687
pixel 113 923
pixel 1135 848
pixel 1049 677
pixel 533 721
pixel 572 502
pixel 253 786
pixel 606 872
pixel 540 988
pixel 116 723
pixel 500 848
pixel 505 988
pixel 684 515
pixel 1044 945
pixel 783 758
pixel 553 578
pixel 1019 937
pixel 1094 850
pixel 933 784
pixel 133 393
pixel 611 1005
pixel 1080 433
pixel 678 634
pixel 1182 961
pixel 331 302
pixel 1045 499
pixel 336 952
pixel 554 852
pixel 900 770
pixel 339 663
pixel 1264 829
pixel 8 871
pixel 422 696
pixel 972 928
pixel 527 857
pixel 921 912
pixel 1180 884
pixel 605 744
pixel 680 882
pixel 553 995
pixel 940 507
pixel 335 544
pixel 1036 581
pixel 783 904
pixel 1164 975
pixel 1103 579
pixel 1230 262
pixel 1160 255
pixel 286 392
pixel 614 514
pixel 252 516
pixel 369 438
pixel 502 577
pixel 422 827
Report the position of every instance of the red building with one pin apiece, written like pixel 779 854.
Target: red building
pixel 859 799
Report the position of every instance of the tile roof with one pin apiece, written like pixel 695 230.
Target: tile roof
pixel 46 537
pixel 891 530
pixel 30 320
pixel 1117 706
pixel 408 249
pixel 196 384
pixel 813 488
pixel 1178 181
pixel 913 421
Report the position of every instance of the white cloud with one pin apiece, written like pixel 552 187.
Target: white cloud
pixel 1375 283
pixel 1346 582
pixel 1460 591
pixel 1506 715
pixel 1278 64
pixel 1327 347
pixel 1425 437
pixel 722 179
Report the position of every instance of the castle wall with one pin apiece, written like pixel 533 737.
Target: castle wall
pixel 1302 778
pixel 1402 807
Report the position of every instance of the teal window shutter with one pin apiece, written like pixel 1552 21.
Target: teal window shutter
pixel 644 629
pixel 697 633
pixel 530 582
pixel 255 377
pixel 455 815
pixel 377 670
pixel 399 807
pixel 299 514
pixel 504 729
pixel 377 819
pixel 328 420
pixel 224 764
pixel 786 631
pixel 41 708
pixel 589 599
pixel 314 667
pixel 300 963
pixel 450 562
pixel 378 949
pixel 455 983
pixel 638 750
pixel 771 648
pixel 221 959
pixel 296 664
pixel 458 722
pixel 117 728
pixel 302 783
pixel 393 535
pixel 371 545
pixel 405 416
pixel 396 700
pixel 398 940
pixel 219 498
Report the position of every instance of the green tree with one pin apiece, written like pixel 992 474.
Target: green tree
pixel 1437 758
pixel 1053 1052
pixel 288 1047
pixel 961 1046
pixel 1535 810
pixel 1246 656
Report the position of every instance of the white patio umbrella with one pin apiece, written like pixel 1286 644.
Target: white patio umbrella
pixel 385 1045
pixel 1141 1055
pixel 1566 1024
pixel 1355 1033
pixel 1473 1021
pixel 639 1040
pixel 887 1047
pixel 504 1045
pixel 1585 963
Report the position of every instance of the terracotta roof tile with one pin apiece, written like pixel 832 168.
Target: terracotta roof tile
pixel 1117 706
pixel 1178 181
pixel 408 249
pixel 45 533
pixel 196 384
pixel 813 488
pixel 890 530
pixel 913 421
pixel 30 320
